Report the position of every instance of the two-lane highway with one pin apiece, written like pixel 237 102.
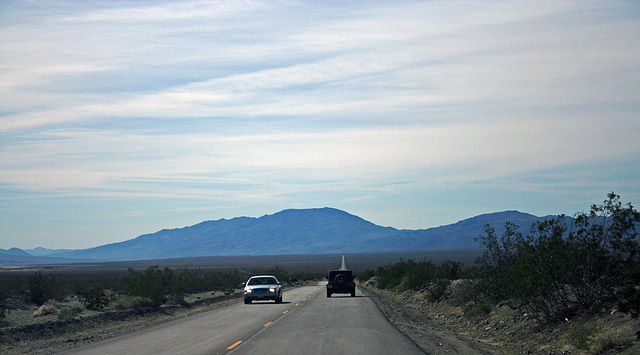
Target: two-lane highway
pixel 338 325
pixel 306 321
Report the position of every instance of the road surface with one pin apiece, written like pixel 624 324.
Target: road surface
pixel 307 322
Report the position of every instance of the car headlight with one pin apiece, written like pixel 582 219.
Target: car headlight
pixel 271 289
pixel 248 290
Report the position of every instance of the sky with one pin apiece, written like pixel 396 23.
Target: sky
pixel 122 118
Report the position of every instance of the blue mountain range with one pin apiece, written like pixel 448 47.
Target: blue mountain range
pixel 293 231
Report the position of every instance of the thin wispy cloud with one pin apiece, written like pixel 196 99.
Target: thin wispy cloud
pixel 409 114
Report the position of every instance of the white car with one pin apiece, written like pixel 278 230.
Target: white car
pixel 261 288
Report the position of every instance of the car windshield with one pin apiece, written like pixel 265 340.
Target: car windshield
pixel 262 281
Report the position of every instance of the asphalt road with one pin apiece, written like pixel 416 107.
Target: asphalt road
pixel 307 322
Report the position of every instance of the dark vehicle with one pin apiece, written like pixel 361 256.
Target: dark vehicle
pixel 262 288
pixel 341 281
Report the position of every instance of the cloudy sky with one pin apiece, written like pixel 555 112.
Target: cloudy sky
pixel 122 118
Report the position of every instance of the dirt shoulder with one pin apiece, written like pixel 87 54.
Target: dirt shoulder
pixel 443 327
pixel 432 338
pixel 51 336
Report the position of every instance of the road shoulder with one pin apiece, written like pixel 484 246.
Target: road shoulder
pixel 419 328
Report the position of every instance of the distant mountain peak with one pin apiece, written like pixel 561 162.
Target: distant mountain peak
pixel 297 231
pixel 14 251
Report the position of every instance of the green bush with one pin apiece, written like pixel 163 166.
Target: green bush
pixel 2 306
pixel 69 313
pixel 416 276
pixel 159 285
pixel 40 288
pixel 438 289
pixel 153 284
pixel 474 311
pixel 365 275
pixel 122 302
pixel 558 271
pixel 93 298
pixel 579 335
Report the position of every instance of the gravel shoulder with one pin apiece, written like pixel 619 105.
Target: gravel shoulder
pixel 432 338
pixel 52 336
pixel 443 327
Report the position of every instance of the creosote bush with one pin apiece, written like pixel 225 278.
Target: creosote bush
pixel 560 270
pixel 39 288
pixel 69 313
pixel 94 298
pixel 417 276
pixel 154 284
pixel 158 285
pixel 564 267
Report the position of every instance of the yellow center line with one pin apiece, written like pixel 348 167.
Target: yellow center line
pixel 235 344
pixel 266 325
pixel 285 312
pixel 297 304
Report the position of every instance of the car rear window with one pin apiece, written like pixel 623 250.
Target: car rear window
pixel 262 281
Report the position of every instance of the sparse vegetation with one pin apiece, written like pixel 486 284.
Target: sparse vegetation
pixel 2 306
pixel 565 270
pixel 45 309
pixel 39 288
pixel 580 335
pixel 94 298
pixel 560 271
pixel 365 275
pixel 69 313
pixel 477 310
pixel 423 275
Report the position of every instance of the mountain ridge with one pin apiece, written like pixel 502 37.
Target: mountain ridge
pixel 295 231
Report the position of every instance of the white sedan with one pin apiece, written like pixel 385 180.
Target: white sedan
pixel 261 288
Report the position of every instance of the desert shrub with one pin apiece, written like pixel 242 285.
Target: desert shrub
pixel 39 288
pixel 280 273
pixel 195 280
pixel 579 335
pixel 558 270
pixel 2 306
pixel 424 275
pixel 365 275
pixel 438 289
pixel 122 302
pixel 154 284
pixel 93 298
pixel 69 313
pixel 456 302
pixel 158 285
pixel 615 338
pixel 629 301
pixel 45 309
pixel 390 276
pixel 295 276
pixel 477 310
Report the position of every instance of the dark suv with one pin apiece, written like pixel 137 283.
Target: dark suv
pixel 340 281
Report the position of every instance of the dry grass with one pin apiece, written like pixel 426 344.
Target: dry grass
pixel 611 338
pixel 45 309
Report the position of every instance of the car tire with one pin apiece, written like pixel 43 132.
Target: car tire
pixel 353 293
pixel 247 301
pixel 328 293
pixel 279 299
